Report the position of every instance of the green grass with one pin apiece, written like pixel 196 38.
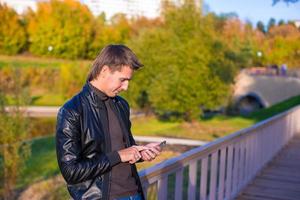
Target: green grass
pixel 207 130
pixel 29 61
pixel 42 163
pixel 275 109
pixel 49 100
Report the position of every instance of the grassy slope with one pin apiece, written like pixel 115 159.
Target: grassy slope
pixel 48 99
pixel 275 109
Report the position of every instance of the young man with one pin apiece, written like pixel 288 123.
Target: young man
pixel 95 149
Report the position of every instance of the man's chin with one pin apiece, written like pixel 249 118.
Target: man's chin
pixel 114 94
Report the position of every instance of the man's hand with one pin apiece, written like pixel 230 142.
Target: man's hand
pixel 131 154
pixel 152 152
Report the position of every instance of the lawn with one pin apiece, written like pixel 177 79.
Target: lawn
pixel 30 61
pixel 206 130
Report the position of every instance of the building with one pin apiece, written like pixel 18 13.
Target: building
pixel 131 8
pixel 20 5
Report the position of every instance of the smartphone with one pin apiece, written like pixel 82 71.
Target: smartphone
pixel 162 144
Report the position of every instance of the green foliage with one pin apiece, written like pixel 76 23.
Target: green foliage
pixel 117 32
pixel 286 1
pixel 71 79
pixel 60 29
pixel 178 77
pixel 12 31
pixel 13 130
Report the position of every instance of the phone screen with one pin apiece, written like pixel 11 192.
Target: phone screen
pixel 162 144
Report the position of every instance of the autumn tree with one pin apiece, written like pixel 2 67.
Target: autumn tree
pixel 60 29
pixel 282 45
pixel 12 31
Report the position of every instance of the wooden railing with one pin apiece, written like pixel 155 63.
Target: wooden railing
pixel 221 169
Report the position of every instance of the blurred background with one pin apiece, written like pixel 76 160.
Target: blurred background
pixel 211 68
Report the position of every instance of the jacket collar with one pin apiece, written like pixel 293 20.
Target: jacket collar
pixel 98 92
pixel 96 95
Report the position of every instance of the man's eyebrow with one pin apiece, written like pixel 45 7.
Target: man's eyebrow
pixel 126 79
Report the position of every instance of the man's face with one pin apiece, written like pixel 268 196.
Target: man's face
pixel 117 81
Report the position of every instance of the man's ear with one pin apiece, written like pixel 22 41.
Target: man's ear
pixel 104 71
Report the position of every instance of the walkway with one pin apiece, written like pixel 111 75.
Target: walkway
pixel 280 180
pixel 51 111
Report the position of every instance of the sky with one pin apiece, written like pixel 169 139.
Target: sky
pixel 255 10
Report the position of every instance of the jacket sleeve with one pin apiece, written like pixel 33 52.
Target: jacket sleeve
pixel 73 166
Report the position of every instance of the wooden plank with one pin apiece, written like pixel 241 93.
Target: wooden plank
pixel 277 184
pixel 286 173
pixel 256 197
pixel 281 178
pixel 270 192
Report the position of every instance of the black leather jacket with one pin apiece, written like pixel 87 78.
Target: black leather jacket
pixel 83 144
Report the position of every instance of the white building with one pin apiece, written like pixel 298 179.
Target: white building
pixel 131 8
pixel 20 5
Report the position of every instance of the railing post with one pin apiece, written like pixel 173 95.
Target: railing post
pixel 162 186
pixel 192 180
pixel 213 176
pixel 222 174
pixel 203 182
pixel 229 172
pixel 178 184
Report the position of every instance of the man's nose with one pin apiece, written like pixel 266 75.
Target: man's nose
pixel 125 85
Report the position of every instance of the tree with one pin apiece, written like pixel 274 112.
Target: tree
pixel 177 78
pixel 60 29
pixel 261 27
pixel 286 1
pixel 118 31
pixel 12 31
pixel 271 23
pixel 283 46
pixel 14 129
pixel 281 22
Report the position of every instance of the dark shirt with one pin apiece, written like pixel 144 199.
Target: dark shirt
pixel 122 180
